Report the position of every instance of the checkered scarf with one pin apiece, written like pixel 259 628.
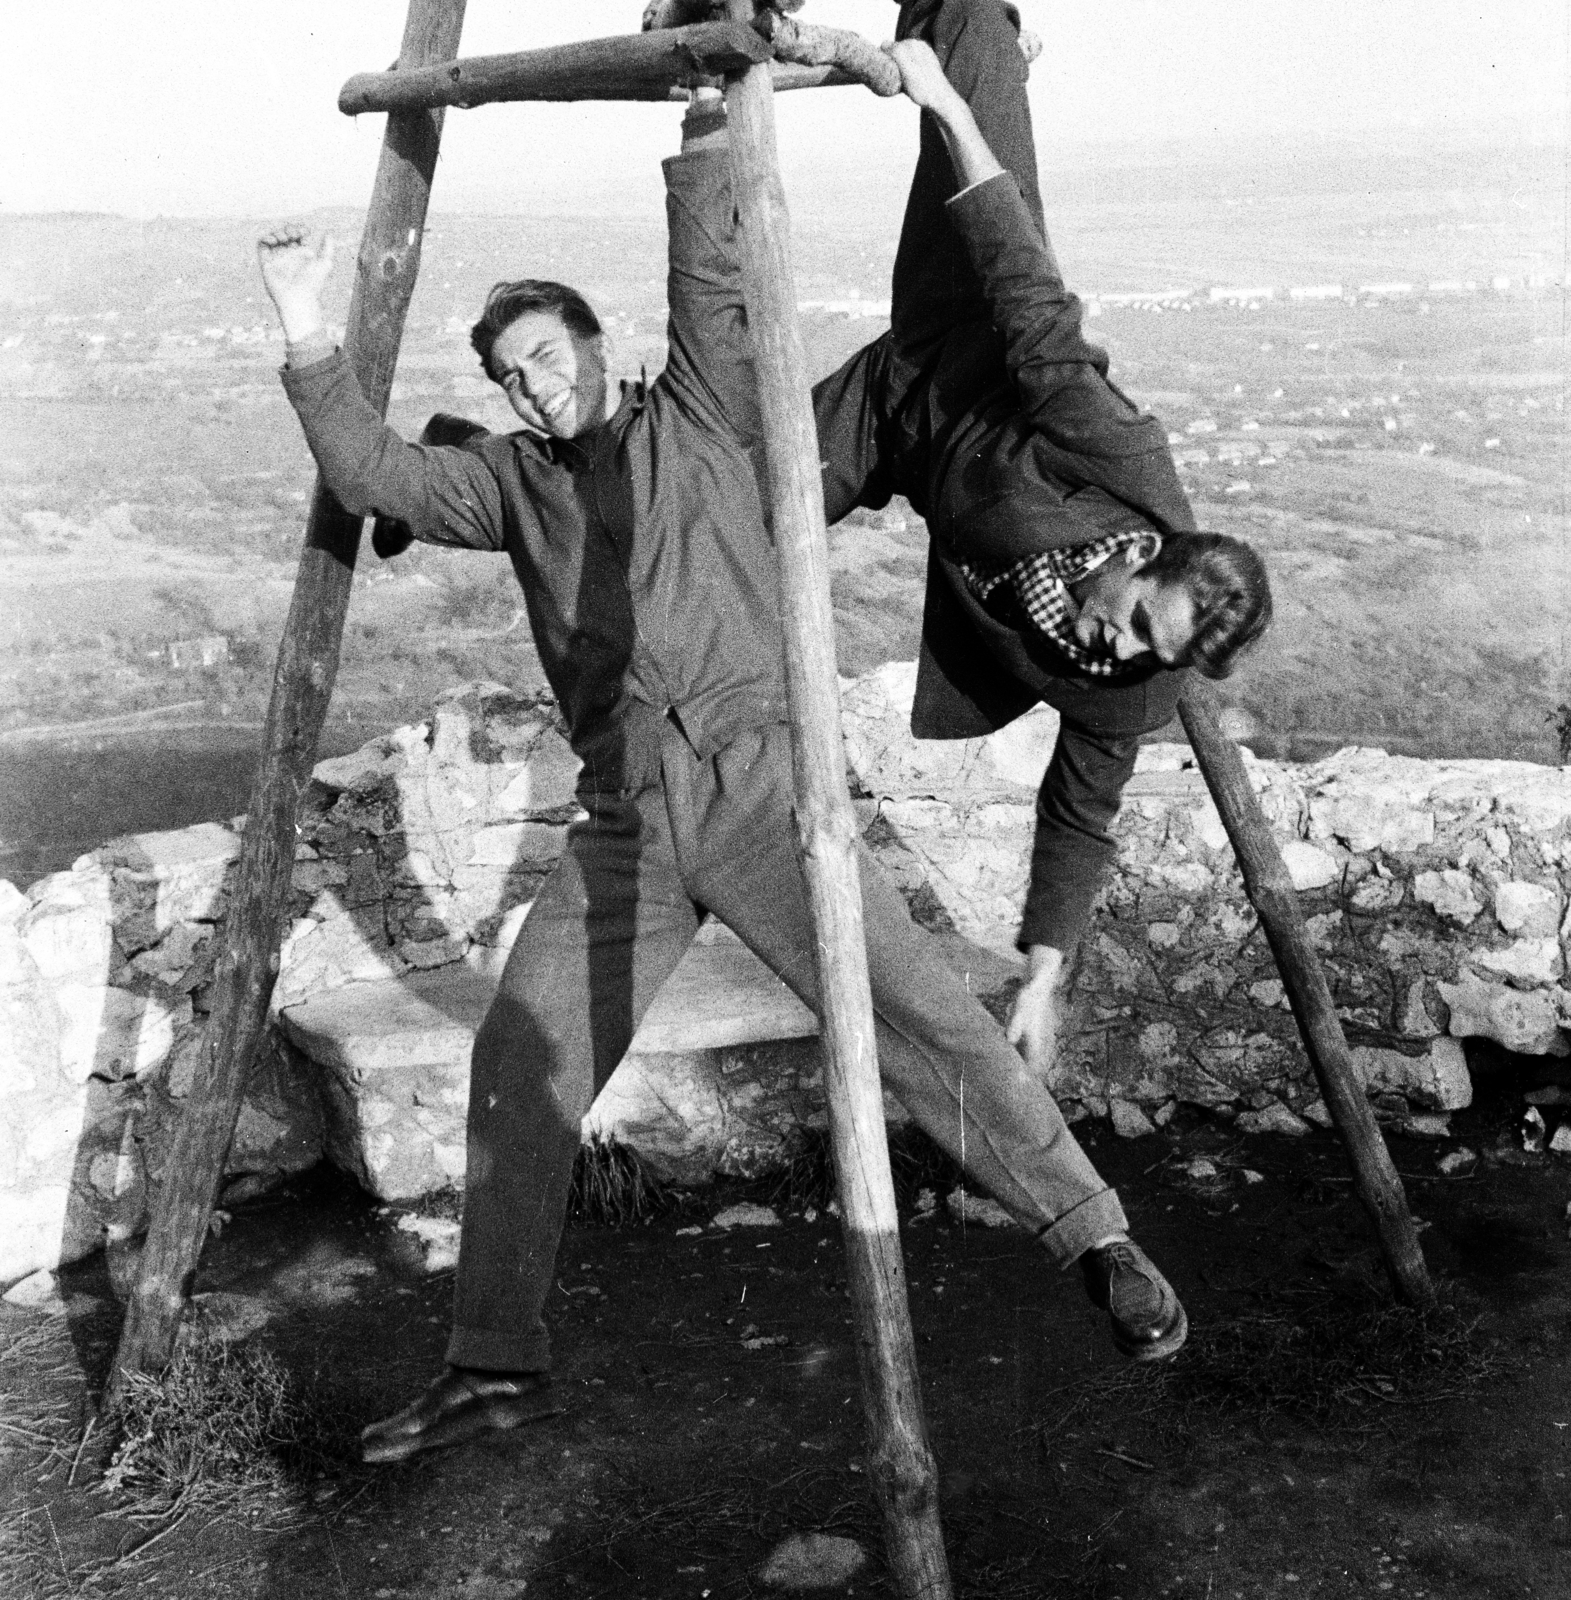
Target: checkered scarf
pixel 1041 584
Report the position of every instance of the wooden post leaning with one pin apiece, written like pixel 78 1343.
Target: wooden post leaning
pixel 302 682
pixel 1276 903
pixel 900 1462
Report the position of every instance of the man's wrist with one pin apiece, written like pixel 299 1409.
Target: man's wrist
pixel 1045 965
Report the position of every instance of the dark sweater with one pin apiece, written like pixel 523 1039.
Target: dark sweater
pixel 647 567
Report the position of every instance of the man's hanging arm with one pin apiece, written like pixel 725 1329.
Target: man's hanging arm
pixel 710 365
pixel 1080 795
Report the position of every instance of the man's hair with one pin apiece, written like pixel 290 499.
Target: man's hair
pixel 507 302
pixel 1227 582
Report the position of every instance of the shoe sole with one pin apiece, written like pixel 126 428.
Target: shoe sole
pixel 1161 1349
pixel 471 1423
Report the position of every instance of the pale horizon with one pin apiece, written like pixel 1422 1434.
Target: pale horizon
pixel 177 109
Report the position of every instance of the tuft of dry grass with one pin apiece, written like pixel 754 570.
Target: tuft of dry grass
pixel 612 1186
pixel 225 1429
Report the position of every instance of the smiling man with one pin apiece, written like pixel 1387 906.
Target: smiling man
pixel 1064 566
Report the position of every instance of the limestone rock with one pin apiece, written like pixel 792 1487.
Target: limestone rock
pixel 1416 1020
pixel 745 1215
pixel 116 1033
pixel 164 879
pixel 13 904
pixel 438 1239
pixel 30 1025
pixel 716 1075
pixel 70 936
pixel 1526 1021
pixel 888 762
pixel 1527 962
pixel 1376 893
pixel 1274 1118
pixel 1438 1080
pixel 812 1561
pixel 39 1291
pixel 323 955
pixel 1129 1121
pixel 1450 893
pixel 1308 865
pixel 1528 909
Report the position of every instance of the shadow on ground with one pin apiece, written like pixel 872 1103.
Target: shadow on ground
pixel 1311 1439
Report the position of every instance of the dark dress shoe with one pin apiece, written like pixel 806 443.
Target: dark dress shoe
pixel 461 1404
pixel 1148 1321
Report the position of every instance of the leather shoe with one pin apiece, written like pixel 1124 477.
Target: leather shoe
pixel 459 1405
pixel 1148 1321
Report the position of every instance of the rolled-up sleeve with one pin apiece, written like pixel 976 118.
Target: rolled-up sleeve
pixel 444 495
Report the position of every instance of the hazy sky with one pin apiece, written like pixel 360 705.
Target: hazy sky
pixel 219 107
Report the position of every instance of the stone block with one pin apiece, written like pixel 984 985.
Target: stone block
pixel 30 1023
pixel 70 943
pixel 1437 1080
pixel 1129 1121
pixel 318 956
pixel 515 845
pixel 1272 1118
pixel 1376 894
pixel 111 1033
pixel 1372 821
pixel 1527 1021
pixel 1528 909
pixel 1309 866
pixel 171 877
pixel 1527 963
pixel 13 904
pixel 1451 894
pixel 547 781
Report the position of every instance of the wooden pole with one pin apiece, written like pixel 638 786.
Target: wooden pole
pixel 636 66
pixel 303 680
pixel 1276 902
pixel 901 1464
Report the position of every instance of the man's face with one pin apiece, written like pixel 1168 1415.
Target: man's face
pixel 554 379
pixel 1132 617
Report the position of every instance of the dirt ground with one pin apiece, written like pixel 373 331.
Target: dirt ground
pixel 1310 1440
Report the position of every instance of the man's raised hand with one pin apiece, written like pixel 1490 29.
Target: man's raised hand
pixel 295 269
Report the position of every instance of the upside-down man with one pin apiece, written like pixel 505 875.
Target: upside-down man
pixel 1064 566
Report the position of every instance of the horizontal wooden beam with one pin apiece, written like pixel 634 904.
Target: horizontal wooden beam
pixel 635 66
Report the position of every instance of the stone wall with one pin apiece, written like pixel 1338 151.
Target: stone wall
pixel 1435 891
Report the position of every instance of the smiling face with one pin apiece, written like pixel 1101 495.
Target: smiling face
pixel 1129 616
pixel 554 378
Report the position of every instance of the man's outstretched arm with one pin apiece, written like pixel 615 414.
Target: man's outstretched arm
pixel 446 496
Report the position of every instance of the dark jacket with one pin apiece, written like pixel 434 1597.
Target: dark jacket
pixel 648 571
pixel 1014 441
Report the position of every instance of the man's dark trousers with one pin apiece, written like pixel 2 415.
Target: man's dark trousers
pixel 875 414
pixel 610 925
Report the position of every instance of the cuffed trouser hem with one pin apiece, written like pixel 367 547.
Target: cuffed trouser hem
pixel 497 1352
pixel 1093 1220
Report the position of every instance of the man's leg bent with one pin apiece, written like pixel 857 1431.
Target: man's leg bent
pixel 607 929
pixel 939 1049
pixel 934 287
